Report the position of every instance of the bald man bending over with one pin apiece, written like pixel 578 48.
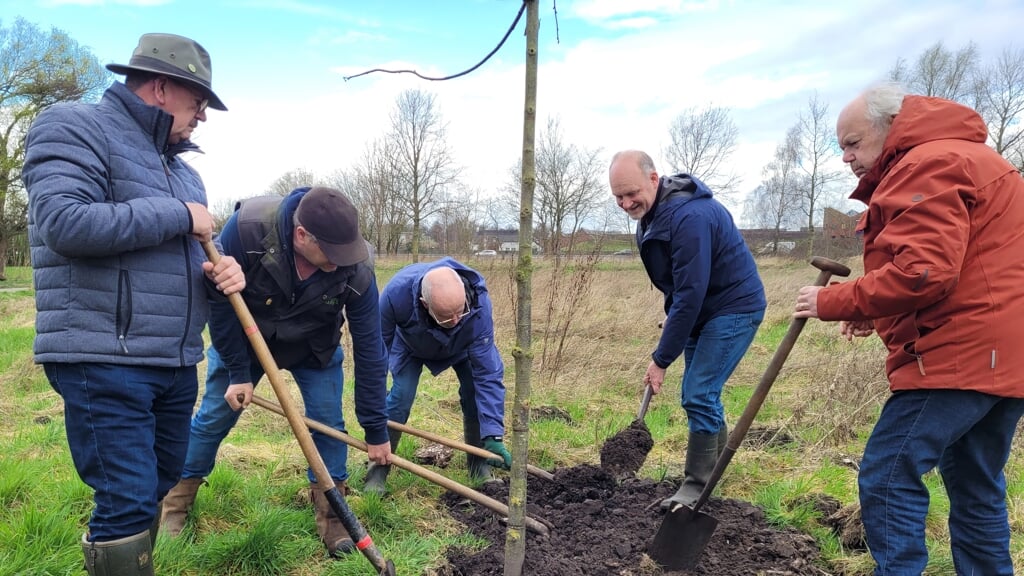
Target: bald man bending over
pixel 438 315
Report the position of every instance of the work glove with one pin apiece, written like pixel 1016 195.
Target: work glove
pixel 494 445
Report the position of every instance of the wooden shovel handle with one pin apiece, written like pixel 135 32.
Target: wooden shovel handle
pixel 826 269
pixel 396 460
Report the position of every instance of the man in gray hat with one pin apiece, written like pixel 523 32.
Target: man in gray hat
pixel 308 271
pixel 116 218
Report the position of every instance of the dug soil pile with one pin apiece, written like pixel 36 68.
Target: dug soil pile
pixel 602 523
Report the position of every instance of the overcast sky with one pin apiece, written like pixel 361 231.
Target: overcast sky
pixel 615 72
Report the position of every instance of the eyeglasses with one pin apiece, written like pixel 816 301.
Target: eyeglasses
pixel 200 103
pixel 449 322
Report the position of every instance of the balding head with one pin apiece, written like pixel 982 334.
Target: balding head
pixel 634 182
pixel 444 295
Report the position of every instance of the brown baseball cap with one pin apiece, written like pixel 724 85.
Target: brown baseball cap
pixel 175 56
pixel 332 218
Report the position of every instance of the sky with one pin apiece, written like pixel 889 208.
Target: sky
pixel 615 73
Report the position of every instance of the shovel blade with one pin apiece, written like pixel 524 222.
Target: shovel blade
pixel 682 538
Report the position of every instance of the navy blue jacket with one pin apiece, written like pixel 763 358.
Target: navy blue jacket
pixel 300 321
pixel 410 333
pixel 695 255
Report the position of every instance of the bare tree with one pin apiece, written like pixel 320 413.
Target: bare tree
pixel 453 230
pixel 1003 104
pixel 37 69
pixel 425 165
pixel 291 180
pixel 569 189
pixel 372 184
pixel 940 72
pixel 813 139
pixel 776 203
pixel 703 140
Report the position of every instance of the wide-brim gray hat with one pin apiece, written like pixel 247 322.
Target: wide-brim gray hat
pixel 175 56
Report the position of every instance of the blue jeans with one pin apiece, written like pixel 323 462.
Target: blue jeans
pixel 710 357
pixel 967 435
pixel 321 390
pixel 403 394
pixel 127 430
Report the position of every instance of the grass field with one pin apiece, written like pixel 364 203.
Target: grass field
pixel 595 323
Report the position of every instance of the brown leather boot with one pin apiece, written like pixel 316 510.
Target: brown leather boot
pixel 332 532
pixel 177 504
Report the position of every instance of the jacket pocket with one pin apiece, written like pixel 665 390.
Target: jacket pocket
pixel 123 320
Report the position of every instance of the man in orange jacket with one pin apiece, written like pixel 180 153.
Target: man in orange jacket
pixel 943 286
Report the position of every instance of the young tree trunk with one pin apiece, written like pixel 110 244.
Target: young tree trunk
pixel 515 538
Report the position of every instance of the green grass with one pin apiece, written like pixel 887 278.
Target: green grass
pixel 254 517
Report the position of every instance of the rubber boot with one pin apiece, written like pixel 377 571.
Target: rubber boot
pixel 154 528
pixel 701 455
pixel 332 532
pixel 130 556
pixel 177 505
pixel 479 469
pixel 377 474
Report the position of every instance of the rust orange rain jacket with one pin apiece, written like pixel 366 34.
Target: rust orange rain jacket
pixel 943 255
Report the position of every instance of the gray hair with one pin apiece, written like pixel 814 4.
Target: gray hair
pixel 643 160
pixel 882 102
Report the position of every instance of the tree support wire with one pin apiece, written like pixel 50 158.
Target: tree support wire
pixel 464 72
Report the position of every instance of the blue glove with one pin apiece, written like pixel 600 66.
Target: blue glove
pixel 494 445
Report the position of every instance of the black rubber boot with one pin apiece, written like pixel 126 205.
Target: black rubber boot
pixel 701 454
pixel 377 474
pixel 129 556
pixel 478 467
pixel 154 528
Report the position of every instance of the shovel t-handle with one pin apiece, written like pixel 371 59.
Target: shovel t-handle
pixel 827 268
pixel 324 481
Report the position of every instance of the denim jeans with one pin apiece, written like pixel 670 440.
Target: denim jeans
pixel 710 357
pixel 321 390
pixel 967 435
pixel 127 430
pixel 403 394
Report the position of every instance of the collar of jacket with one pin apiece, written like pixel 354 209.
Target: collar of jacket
pixel 151 119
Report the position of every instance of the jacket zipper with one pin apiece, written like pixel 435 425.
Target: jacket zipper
pixel 188 268
pixel 124 303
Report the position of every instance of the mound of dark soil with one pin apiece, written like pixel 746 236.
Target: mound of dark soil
pixel 602 527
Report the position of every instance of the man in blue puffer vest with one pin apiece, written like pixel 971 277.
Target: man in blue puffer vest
pixel 714 299
pixel 308 271
pixel 438 315
pixel 115 223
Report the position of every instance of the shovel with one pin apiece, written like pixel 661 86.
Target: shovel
pixel 685 531
pixel 538 526
pixel 467 448
pixel 323 477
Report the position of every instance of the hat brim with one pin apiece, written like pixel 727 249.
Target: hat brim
pixel 345 254
pixel 124 69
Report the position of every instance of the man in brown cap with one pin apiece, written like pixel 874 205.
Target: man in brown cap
pixel 116 218
pixel 308 270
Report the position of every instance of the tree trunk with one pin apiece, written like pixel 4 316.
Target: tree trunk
pixel 515 539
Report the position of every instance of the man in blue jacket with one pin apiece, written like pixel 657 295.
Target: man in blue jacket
pixel 714 299
pixel 116 218
pixel 438 315
pixel 306 264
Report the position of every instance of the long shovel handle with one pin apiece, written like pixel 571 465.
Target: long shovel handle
pixel 323 477
pixel 826 269
pixel 486 501
pixel 467 448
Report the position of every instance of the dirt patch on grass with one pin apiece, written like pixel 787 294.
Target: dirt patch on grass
pixel 603 527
